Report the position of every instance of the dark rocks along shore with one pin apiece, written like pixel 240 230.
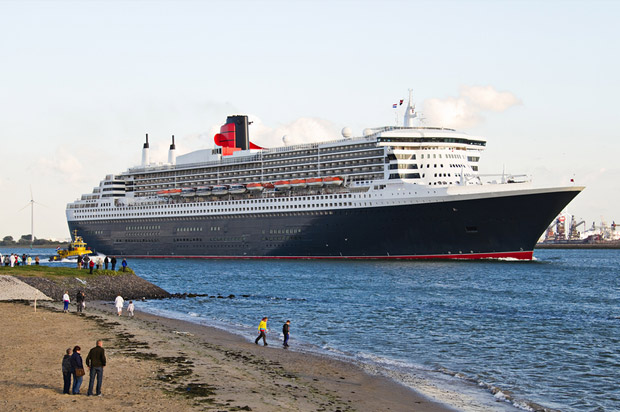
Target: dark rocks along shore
pixel 101 287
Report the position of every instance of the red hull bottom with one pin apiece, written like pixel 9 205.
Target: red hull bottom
pixel 521 255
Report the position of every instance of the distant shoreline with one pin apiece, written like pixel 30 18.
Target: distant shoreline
pixel 43 246
pixel 610 245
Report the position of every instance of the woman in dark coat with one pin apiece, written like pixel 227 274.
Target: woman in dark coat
pixel 76 363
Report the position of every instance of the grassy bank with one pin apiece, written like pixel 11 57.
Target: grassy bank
pixel 56 272
pixel 53 281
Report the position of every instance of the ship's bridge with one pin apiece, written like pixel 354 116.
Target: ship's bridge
pixel 430 155
pixel 426 135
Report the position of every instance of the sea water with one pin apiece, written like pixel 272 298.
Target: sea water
pixel 479 335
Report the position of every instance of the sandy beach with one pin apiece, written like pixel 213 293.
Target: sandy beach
pixel 161 364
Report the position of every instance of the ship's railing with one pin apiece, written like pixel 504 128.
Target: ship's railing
pixel 228 160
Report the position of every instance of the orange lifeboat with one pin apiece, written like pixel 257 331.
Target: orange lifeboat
pixel 315 181
pixel 332 180
pixel 282 184
pixel 169 192
pixel 298 183
pixel 254 187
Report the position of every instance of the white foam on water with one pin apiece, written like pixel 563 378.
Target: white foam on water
pixel 445 387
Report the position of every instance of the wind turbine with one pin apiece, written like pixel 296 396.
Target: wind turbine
pixel 31 204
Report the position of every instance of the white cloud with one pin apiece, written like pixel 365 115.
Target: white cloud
pixel 64 164
pixel 466 110
pixel 487 98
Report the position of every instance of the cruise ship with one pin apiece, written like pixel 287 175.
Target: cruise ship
pixel 395 192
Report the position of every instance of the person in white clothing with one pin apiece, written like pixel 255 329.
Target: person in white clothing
pixel 130 308
pixel 66 301
pixel 119 302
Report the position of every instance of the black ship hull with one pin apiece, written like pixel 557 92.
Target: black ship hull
pixel 493 226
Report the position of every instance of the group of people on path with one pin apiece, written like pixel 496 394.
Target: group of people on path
pixel 262 332
pixel 87 262
pixel 13 259
pixel 73 368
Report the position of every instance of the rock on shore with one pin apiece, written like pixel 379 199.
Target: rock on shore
pixel 102 287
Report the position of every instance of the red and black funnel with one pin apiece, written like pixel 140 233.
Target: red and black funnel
pixel 235 134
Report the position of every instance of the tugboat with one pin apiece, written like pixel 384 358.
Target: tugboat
pixel 77 247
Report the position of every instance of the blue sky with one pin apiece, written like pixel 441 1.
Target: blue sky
pixel 82 82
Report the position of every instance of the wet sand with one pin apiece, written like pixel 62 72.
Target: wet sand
pixel 161 364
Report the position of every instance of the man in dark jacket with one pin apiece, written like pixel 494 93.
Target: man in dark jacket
pixel 95 362
pixel 113 262
pixel 66 372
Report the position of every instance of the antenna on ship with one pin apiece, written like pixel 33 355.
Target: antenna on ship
pixel 172 158
pixel 145 152
pixel 411 113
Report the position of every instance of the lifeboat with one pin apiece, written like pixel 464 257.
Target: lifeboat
pixel 236 189
pixel 315 181
pixel 219 190
pixel 169 192
pixel 298 183
pixel 254 187
pixel 188 192
pixel 203 191
pixel 268 185
pixel 282 184
pixel 332 181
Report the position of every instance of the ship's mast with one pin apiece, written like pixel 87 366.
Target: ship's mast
pixel 410 114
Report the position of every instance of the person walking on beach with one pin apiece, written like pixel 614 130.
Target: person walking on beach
pixel 80 301
pixel 95 362
pixel 66 372
pixel 66 301
pixel 130 309
pixel 285 331
pixel 119 302
pixel 105 263
pixel 124 264
pixel 113 262
pixel 77 369
pixel 262 331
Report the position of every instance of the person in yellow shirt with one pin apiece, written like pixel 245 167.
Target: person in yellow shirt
pixel 262 331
